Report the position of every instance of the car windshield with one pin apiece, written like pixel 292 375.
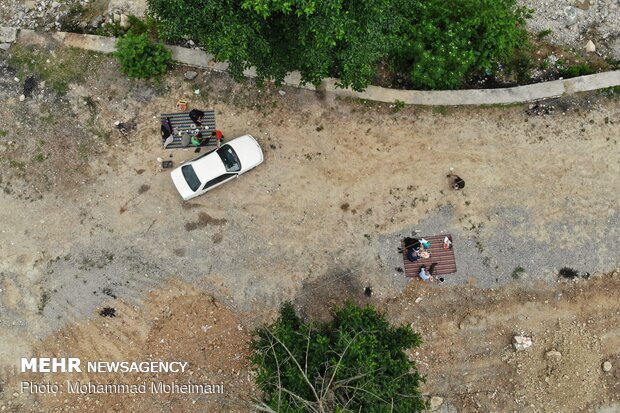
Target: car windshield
pixel 229 158
pixel 190 177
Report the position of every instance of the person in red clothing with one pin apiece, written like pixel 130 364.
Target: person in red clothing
pixel 217 134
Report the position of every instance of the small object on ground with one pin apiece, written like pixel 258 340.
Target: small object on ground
pixel 368 291
pixel 441 279
pixel 447 243
pixel 197 92
pixel 568 272
pixel 570 15
pixel 590 47
pixel 190 75
pixel 418 300
pixel 108 312
pixel 553 355
pixel 166 164
pixel 181 104
pixel 436 403
pixel 539 109
pixel 22 98
pixel 281 92
pixel 521 343
pixel 607 366
pixel 160 160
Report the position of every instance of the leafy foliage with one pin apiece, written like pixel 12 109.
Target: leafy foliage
pixel 353 363
pixel 139 57
pixel 442 42
pixel 438 42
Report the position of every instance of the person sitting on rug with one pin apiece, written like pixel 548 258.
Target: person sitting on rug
pixel 412 255
pixel 424 275
pixel 196 116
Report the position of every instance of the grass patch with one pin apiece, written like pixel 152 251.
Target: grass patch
pixel 39 157
pixel 516 273
pixel 3 133
pixel 543 33
pixel 57 69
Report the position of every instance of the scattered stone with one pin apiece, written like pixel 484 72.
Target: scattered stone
pixel 590 47
pixel 190 75
pixel 191 43
pixel 197 92
pixel 116 18
pixel 98 21
pixel 5 46
pixel 607 366
pixel 553 355
pixel 436 403
pixel 418 300
pixel 124 21
pixel 570 15
pixel 521 343
pixel 539 109
pixel 22 98
pixel 8 34
pixel 281 92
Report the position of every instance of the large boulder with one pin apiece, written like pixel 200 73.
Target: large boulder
pixel 8 34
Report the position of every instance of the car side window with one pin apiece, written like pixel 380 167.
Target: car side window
pixel 217 180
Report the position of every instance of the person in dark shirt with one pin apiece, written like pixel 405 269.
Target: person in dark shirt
pixel 196 116
pixel 457 182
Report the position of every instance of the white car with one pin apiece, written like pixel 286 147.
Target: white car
pixel 214 168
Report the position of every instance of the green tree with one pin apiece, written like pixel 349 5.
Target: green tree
pixel 140 57
pixel 355 363
pixel 443 42
pixel 319 38
pixel 439 43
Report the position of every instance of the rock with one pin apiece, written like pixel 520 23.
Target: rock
pixel 190 75
pixel 8 34
pixel 129 7
pixel 116 18
pixel 124 21
pixel 570 15
pixel 436 403
pixel 22 98
pixel 521 343
pixel 191 43
pixel 607 366
pixel 553 355
pixel 98 21
pixel 5 46
pixel 590 47
pixel 281 92
pixel 197 92
pixel 55 5
pixel 418 300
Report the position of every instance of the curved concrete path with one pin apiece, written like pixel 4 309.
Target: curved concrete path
pixel 198 58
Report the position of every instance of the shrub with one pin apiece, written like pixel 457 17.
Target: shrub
pixel 516 273
pixel 141 58
pixel 577 70
pixel 355 363
pixel 544 33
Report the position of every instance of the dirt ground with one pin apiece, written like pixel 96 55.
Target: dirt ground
pixel 90 222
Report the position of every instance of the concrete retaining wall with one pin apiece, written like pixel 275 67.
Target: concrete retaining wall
pixel 198 58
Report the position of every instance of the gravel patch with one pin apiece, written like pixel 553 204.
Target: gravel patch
pixel 491 256
pixel 596 20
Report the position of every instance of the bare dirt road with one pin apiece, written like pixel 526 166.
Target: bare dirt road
pixel 91 222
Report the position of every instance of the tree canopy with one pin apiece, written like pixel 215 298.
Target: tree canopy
pixel 438 42
pixel 355 363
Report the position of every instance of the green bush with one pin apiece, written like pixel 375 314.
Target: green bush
pixel 141 58
pixel 355 363
pixel 577 70
pixel 439 43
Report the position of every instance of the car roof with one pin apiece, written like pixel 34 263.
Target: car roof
pixel 209 167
